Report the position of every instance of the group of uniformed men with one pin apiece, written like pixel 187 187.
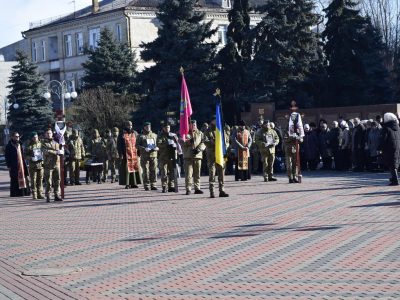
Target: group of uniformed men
pixel 129 150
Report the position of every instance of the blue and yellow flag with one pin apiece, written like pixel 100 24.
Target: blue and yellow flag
pixel 220 147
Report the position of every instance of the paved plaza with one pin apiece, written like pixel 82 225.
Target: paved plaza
pixel 336 236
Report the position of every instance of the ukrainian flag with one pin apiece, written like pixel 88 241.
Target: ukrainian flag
pixel 220 147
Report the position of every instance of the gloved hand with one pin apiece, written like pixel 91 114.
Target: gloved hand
pixel 196 151
pixel 156 149
pixel 60 152
pixel 147 149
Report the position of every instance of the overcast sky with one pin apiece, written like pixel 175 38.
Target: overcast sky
pixel 15 15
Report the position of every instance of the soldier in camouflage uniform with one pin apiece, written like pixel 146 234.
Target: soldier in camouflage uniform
pixel 209 141
pixel 266 139
pixel 147 144
pixel 51 160
pixel 98 152
pixel 76 155
pixel 168 144
pixel 34 155
pixel 112 153
pixel 106 136
pixel 193 148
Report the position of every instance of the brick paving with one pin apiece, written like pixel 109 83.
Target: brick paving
pixel 336 236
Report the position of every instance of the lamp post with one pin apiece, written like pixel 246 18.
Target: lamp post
pixel 7 106
pixel 60 88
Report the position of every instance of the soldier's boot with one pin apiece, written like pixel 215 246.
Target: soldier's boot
pixel 47 198
pixel 78 183
pixel 171 189
pixel 71 183
pixel 265 179
pixel 164 189
pixel 112 179
pixel 40 196
pixel 291 180
pixel 199 192
pixel 271 178
pixel 57 198
pixel 146 188
pixel 223 194
pixel 295 180
pixel 34 196
pixel 188 192
pixel 212 195
pixel 153 188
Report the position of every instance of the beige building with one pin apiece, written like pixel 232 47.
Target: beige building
pixel 56 45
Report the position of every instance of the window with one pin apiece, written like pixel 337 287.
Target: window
pixel 222 34
pixel 79 43
pixel 34 52
pixel 68 45
pixel 43 51
pixel 94 37
pixel 119 32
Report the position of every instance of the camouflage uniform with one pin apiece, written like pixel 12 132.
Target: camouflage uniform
pixel 167 143
pixel 106 136
pixel 147 144
pixel 193 148
pixel 76 155
pixel 51 162
pixel 112 153
pixel 291 156
pixel 213 168
pixel 35 157
pixel 266 140
pixel 98 152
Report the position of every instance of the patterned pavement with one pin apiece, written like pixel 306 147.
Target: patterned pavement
pixel 336 236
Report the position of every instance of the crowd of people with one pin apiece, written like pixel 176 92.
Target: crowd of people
pixel 136 159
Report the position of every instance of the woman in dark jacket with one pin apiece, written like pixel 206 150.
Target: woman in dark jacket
pixel 390 145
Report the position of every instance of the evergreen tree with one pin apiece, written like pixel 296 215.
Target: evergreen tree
pixel 111 65
pixel 34 112
pixel 286 50
pixel 353 48
pixel 182 41
pixel 233 58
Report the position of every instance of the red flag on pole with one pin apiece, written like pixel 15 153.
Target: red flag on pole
pixel 185 109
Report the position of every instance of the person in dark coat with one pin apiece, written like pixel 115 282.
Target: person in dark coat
pixel 390 145
pixel 17 167
pixel 309 149
pixel 358 146
pixel 334 142
pixel 323 140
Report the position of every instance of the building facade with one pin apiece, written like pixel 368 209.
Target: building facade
pixel 57 45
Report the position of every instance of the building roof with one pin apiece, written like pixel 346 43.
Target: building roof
pixel 110 5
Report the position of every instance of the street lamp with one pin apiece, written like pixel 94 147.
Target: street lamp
pixel 7 106
pixel 61 89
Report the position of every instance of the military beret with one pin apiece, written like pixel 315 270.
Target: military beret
pixel 115 129
pixel 193 121
pixel 33 133
pixel 165 123
pixel 146 123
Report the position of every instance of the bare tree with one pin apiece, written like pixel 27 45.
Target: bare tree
pixel 101 109
pixel 385 15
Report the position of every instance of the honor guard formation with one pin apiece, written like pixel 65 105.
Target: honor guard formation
pixel 136 159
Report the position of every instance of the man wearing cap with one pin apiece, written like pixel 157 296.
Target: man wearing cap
pixel 112 153
pixel 169 148
pixel 76 155
pixel 98 152
pixel 129 172
pixel 193 147
pixel 35 157
pixel 106 136
pixel 51 161
pixel 147 144
pixel 267 139
pixel 209 141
